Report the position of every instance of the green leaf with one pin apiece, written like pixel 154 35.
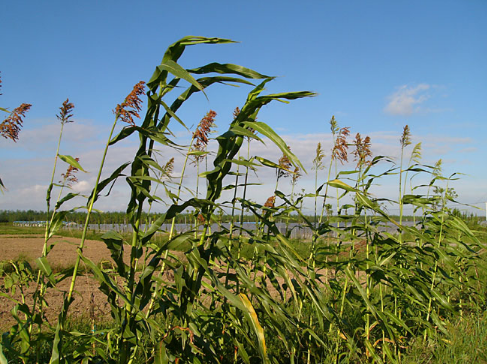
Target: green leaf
pixel 70 160
pixel 3 359
pixel 228 68
pixel 56 223
pixel 340 184
pixel 259 331
pixel 45 267
pixel 114 242
pixel 68 197
pixel 267 131
pixel 117 173
pixel 180 72
pixel 238 130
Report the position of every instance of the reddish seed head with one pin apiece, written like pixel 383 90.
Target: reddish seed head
pixel 340 149
pixel 131 107
pixel 362 150
pixel 69 177
pixel 201 219
pixel 285 165
pixel 65 112
pixel 270 202
pixel 11 126
pixel 202 132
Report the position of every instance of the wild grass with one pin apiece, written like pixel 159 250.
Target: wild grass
pixel 355 293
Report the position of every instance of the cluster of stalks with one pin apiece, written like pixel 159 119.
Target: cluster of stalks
pixel 368 285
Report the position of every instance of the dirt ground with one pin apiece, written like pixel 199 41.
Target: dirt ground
pixel 87 296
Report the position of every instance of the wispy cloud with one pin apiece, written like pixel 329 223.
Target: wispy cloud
pixel 406 100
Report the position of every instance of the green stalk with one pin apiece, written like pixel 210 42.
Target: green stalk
pixel 232 219
pixel 48 197
pixel 88 214
pixel 241 205
pixel 435 270
pixel 171 232
pixel 196 222
pixel 40 286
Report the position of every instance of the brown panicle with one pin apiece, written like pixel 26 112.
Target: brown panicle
pixel 202 132
pixel 131 107
pixel 296 175
pixel 405 137
pixel 201 219
pixel 69 177
pixel 65 112
pixel 340 149
pixel 236 112
pixel 284 166
pixel 270 202
pixel 10 127
pixel 169 167
pixel 362 150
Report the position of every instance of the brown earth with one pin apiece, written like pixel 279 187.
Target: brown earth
pixel 87 296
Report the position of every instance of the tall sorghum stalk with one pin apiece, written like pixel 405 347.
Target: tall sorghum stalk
pixel 405 141
pixel 199 152
pixel 234 199
pixel 196 149
pixel 125 112
pixel 64 117
pixel 416 158
pixel 244 196
pixel 361 154
pixel 317 166
pixel 294 180
pixel 438 245
pixel 339 153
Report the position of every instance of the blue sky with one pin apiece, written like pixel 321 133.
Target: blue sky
pixel 376 66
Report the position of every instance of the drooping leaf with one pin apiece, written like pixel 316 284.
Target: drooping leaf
pixel 70 160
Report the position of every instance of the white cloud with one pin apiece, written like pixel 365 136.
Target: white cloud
pixel 406 99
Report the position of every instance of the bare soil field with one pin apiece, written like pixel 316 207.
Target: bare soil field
pixel 87 297
pixel 63 255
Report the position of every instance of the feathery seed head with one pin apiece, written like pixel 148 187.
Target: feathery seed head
pixel 437 168
pixel 169 167
pixel 334 125
pixel 406 137
pixel 131 106
pixel 10 127
pixel 362 150
pixel 270 202
pixel 65 112
pixel 69 177
pixel 340 149
pixel 204 128
pixel 202 132
pixel 236 112
pixel 284 164
pixel 296 175
pixel 416 153
pixel 318 161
